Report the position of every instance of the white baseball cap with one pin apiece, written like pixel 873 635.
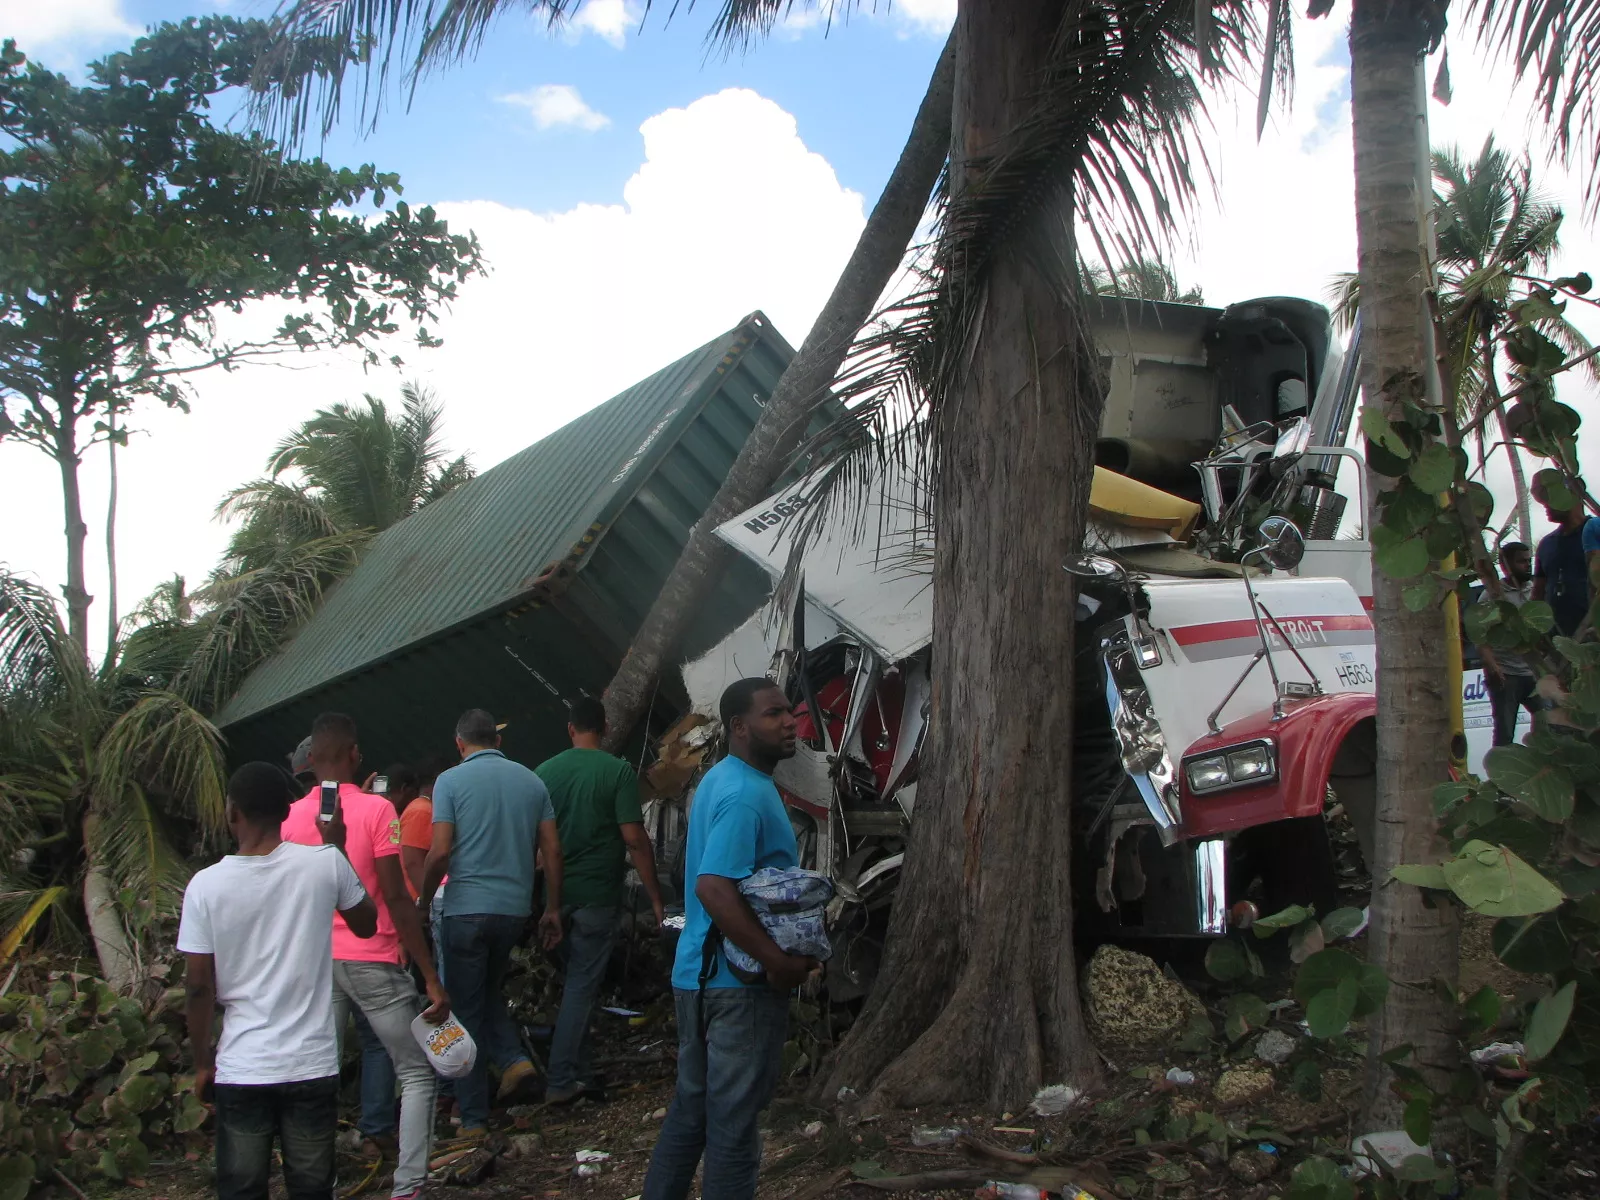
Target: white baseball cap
pixel 448 1045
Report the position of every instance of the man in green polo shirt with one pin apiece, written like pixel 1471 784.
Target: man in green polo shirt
pixel 596 798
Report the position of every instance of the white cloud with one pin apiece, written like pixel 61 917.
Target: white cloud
pixel 579 305
pixel 36 24
pixel 558 106
pixel 611 20
pixel 926 16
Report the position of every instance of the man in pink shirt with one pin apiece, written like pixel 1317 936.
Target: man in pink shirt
pixel 368 972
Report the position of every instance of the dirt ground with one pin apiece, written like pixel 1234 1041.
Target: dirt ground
pixel 1134 1137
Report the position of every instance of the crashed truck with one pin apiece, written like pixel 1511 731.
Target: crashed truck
pixel 1225 660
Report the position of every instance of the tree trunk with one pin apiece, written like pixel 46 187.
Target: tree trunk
pixel 1519 478
pixel 111 543
pixel 977 1000
pixel 119 964
pixel 78 598
pixel 1417 944
pixel 878 254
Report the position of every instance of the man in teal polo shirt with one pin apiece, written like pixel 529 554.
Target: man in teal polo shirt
pixel 489 815
pixel 730 1033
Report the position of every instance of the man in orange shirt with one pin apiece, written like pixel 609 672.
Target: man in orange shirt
pixel 368 973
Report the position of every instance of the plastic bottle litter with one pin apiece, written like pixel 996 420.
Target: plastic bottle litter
pixel 592 1156
pixel 587 1170
pixel 1495 1051
pixel 1015 1191
pixel 1180 1077
pixel 933 1135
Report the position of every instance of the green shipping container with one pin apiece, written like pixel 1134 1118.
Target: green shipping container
pixel 522 589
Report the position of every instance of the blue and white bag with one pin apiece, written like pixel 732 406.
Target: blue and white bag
pixel 791 905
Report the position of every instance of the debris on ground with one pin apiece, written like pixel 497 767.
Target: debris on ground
pixel 1054 1100
pixel 1274 1046
pixel 1179 1077
pixel 1129 1001
pixel 1242 1085
pixel 1253 1164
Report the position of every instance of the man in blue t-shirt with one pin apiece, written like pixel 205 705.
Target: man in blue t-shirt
pixel 1561 566
pixel 489 816
pixel 730 1033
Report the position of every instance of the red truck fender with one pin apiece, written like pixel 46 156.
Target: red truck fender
pixel 1306 744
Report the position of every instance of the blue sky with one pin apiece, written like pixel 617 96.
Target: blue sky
pixel 635 196
pixel 853 89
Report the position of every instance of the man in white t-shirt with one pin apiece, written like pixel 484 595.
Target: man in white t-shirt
pixel 257 933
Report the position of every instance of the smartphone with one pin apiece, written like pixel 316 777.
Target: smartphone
pixel 380 785
pixel 330 800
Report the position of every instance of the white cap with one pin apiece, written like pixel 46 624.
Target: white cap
pixel 449 1046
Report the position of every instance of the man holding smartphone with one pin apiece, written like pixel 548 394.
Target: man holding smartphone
pixel 257 937
pixel 368 974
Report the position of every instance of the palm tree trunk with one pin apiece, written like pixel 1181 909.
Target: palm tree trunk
pixel 878 254
pixel 1416 943
pixel 977 999
pixel 1519 477
pixel 77 593
pixel 111 543
pixel 119 965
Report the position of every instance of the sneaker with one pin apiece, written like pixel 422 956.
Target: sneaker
pixel 473 1133
pixel 515 1077
pixel 412 1195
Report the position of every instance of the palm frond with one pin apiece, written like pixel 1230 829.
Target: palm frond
pixel 162 744
pixel 1109 146
pixel 127 840
pixel 250 615
pixel 1343 295
pixel 39 661
pixel 1556 45
pixel 301 75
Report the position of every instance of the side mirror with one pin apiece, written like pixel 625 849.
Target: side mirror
pixel 1281 543
pixel 1094 566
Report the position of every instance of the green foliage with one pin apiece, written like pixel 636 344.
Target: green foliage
pixel 334 481
pixel 127 218
pixel 91 1084
pixel 93 767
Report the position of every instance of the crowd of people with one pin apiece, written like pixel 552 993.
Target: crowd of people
pixel 368 904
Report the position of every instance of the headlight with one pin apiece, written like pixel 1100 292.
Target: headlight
pixel 1208 774
pixel 1254 762
pixel 1251 763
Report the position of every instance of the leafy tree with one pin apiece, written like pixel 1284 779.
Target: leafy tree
pixel 131 229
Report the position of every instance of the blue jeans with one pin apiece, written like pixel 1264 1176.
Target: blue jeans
pixel 477 951
pixel 303 1116
pixel 723 1084
pixel 377 1082
pixel 591 932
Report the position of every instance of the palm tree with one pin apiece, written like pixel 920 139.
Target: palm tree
pixel 1417 943
pixel 350 468
pixel 1086 109
pixel 1494 230
pixel 105 784
pixel 1145 279
pixel 333 484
